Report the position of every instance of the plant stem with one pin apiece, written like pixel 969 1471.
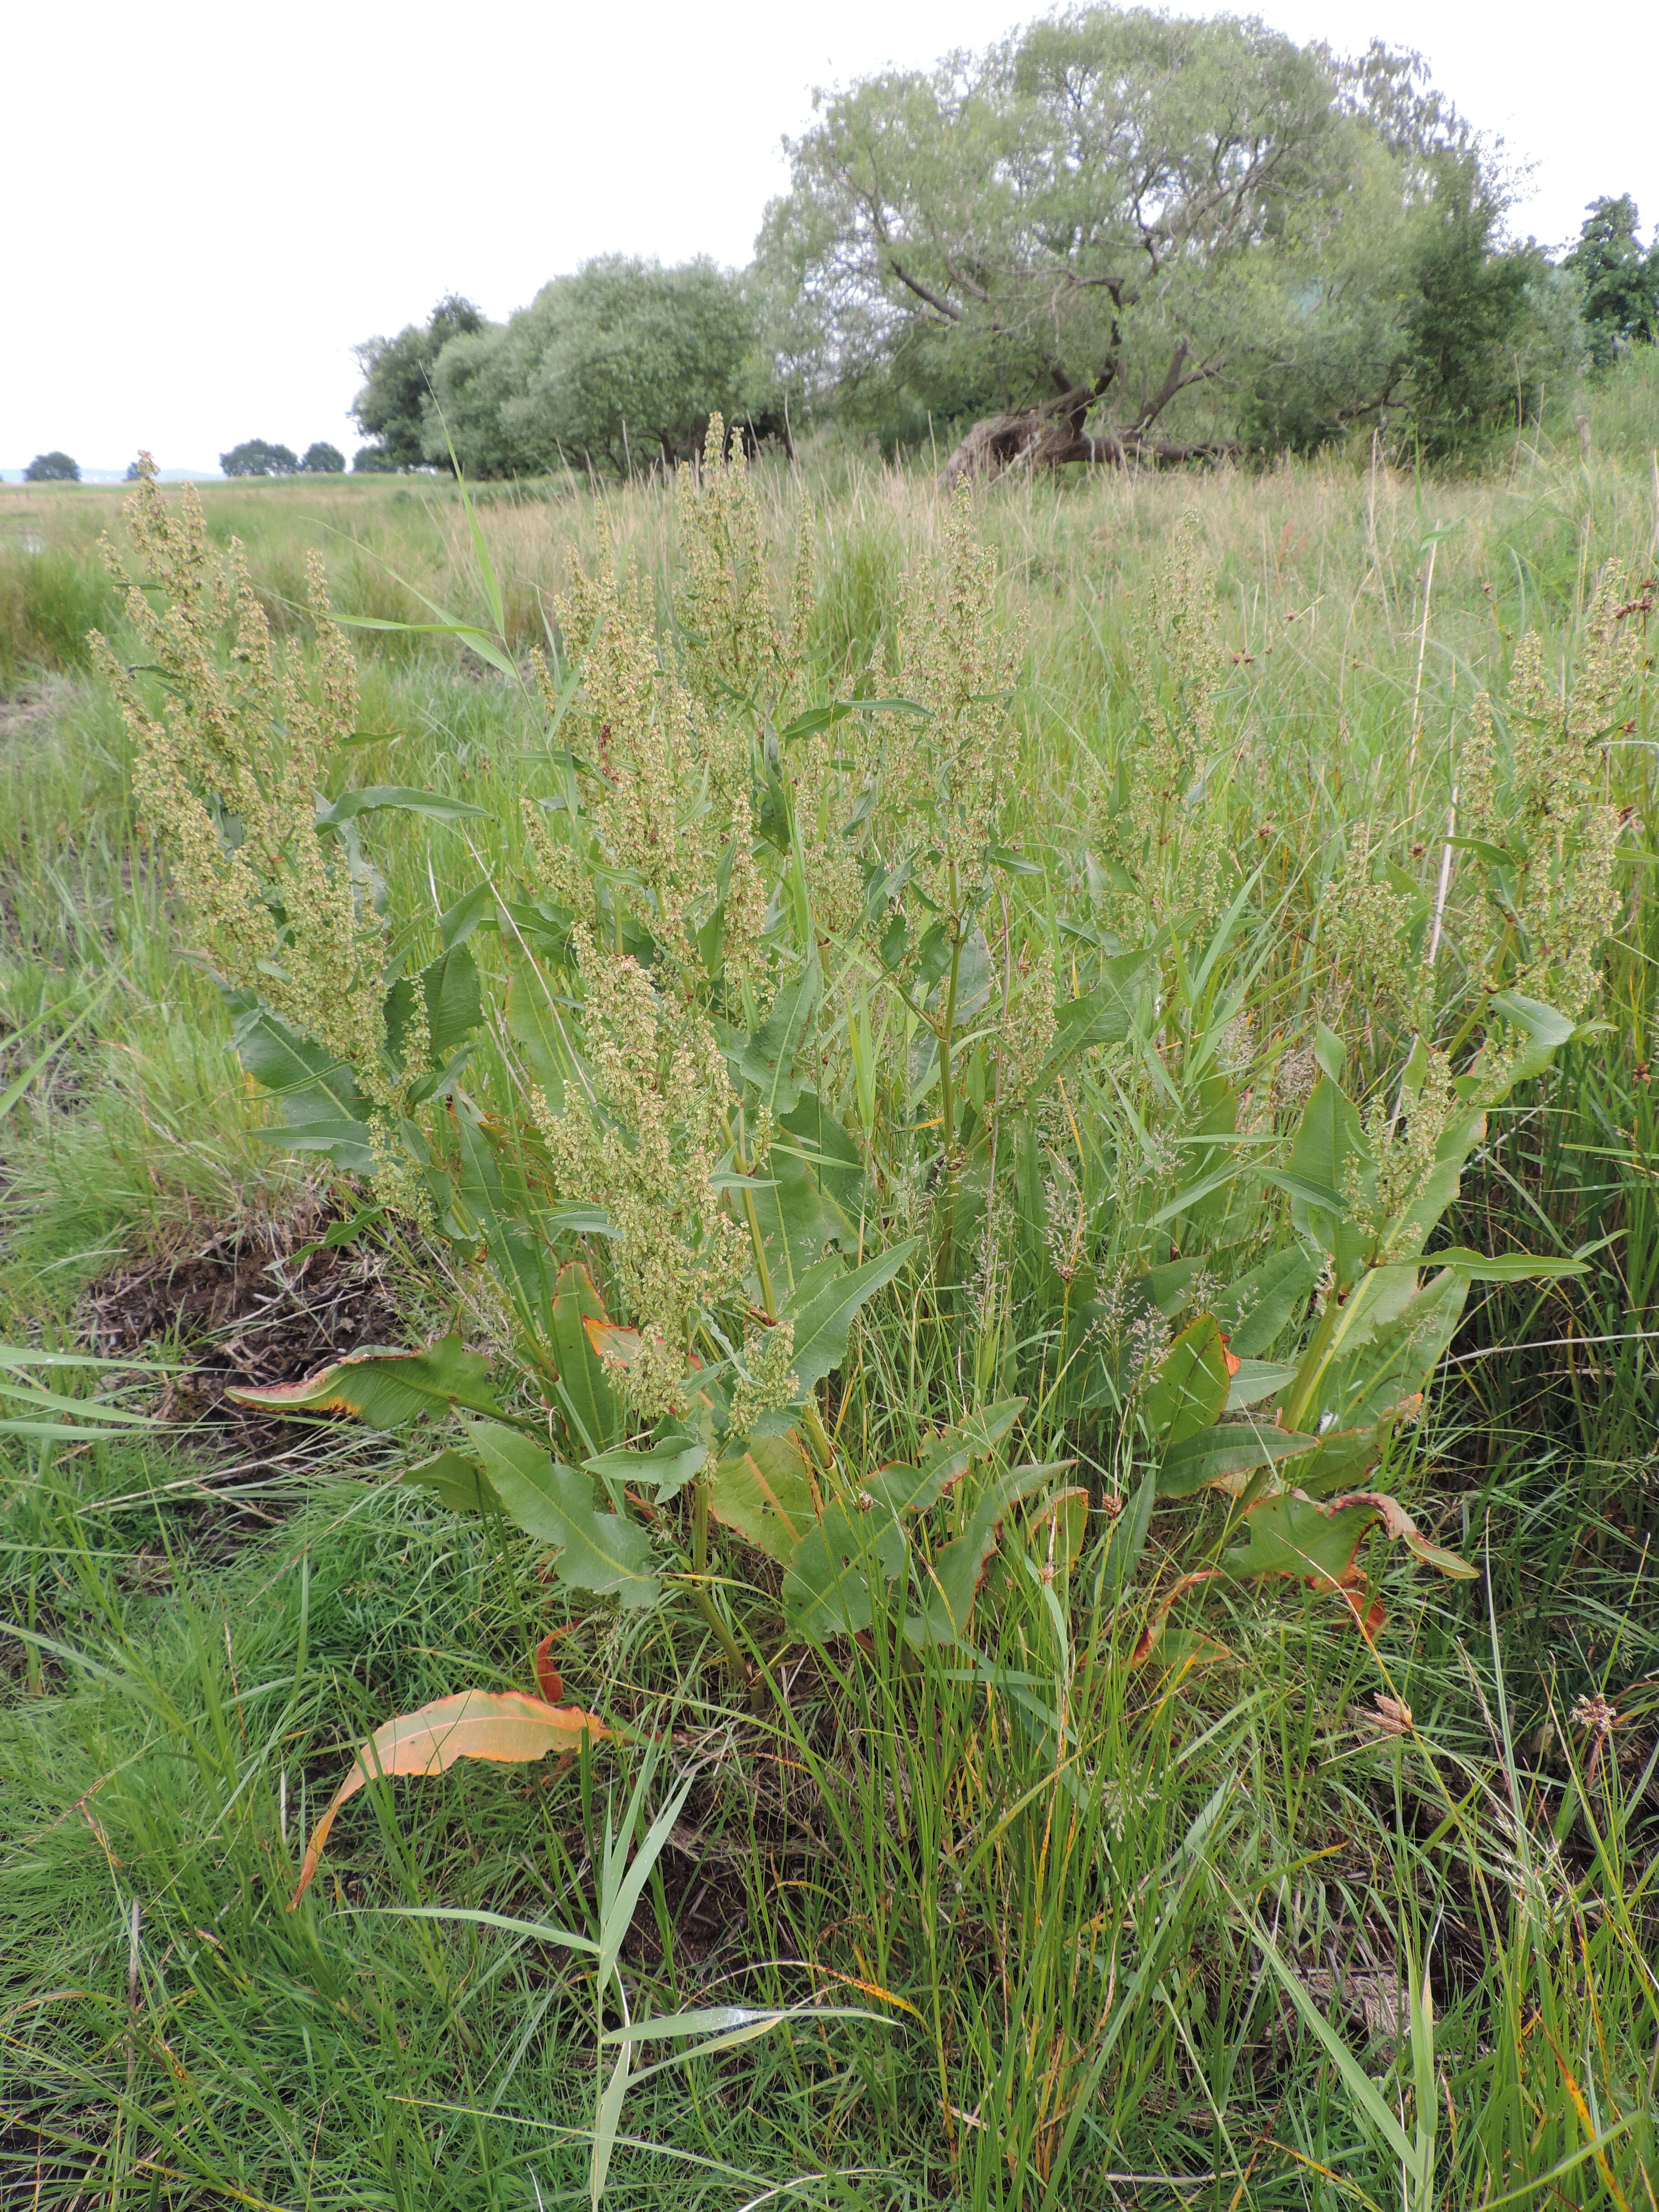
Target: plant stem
pixel 751 1215
pixel 947 1093
pixel 769 1297
pixel 946 1074
pixel 817 1434
pixel 1314 1361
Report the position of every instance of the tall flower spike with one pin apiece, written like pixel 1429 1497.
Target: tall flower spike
pixel 225 778
pixel 960 667
pixel 730 640
pixel 647 1148
pixel 1170 848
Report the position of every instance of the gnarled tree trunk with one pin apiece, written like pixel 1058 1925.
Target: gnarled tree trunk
pixel 1053 432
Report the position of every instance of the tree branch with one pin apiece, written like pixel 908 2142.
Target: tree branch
pixel 1166 390
pixel 945 307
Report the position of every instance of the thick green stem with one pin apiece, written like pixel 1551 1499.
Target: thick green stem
pixel 768 1298
pixel 751 1215
pixel 817 1434
pixel 1313 1364
pixel 946 1073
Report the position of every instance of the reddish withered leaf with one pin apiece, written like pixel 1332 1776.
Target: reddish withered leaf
pixel 549 1679
pixel 386 1388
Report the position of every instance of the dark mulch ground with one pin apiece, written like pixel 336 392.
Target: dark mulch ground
pixel 251 1304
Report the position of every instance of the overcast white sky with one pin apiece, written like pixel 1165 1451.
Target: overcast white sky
pixel 207 206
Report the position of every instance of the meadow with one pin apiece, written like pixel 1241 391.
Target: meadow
pixel 1133 1869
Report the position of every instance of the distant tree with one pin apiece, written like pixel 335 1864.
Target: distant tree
pixel 1431 328
pixel 254 457
pixel 1466 318
pixel 397 378
pixel 474 379
pixel 617 367
pixel 372 461
pixel 322 459
pixel 1118 231
pixel 1620 282
pixel 133 473
pixel 52 468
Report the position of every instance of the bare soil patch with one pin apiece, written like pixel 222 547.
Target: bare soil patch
pixel 257 1302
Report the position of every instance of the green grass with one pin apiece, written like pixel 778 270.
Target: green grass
pixel 1052 1876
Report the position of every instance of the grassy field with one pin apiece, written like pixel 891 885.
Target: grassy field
pixel 1053 1930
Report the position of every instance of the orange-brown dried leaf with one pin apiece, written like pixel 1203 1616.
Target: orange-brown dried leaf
pixel 504 1726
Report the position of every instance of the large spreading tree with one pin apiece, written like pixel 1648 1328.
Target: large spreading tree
pixel 1121 233
pixel 1064 233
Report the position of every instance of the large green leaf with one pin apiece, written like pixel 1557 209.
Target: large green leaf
pixel 1128 1538
pixel 454 1480
pixel 1189 1391
pixel 1291 1535
pixel 280 1060
pixel 601 1552
pixel 812 1192
pixel 474 909
pixel 1506 1267
pixel 386 1388
pixel 943 1460
pixel 1386 1346
pixel 824 1312
pixel 947 1584
pixel 1257 1309
pixel 973 980
pixel 1545 1029
pixel 1296 1535
pixel 1342 1458
pixel 1422 1210
pixel 519 1257
pixel 1102 1016
pixel 401 799
pixel 765 1493
pixel 454 1006
pixel 344 1141
pixel 664 1466
pixel 323 1109
pixel 830 1584
pixel 584 1385
pixel 857 1548
pixel 835 1161
pixel 535 1026
pixel 1231 1449
pixel 795 1224
pixel 1329 1136
pixel 1257 1379
pixel 770 1059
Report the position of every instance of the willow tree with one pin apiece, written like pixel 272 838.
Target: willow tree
pixel 1070 231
